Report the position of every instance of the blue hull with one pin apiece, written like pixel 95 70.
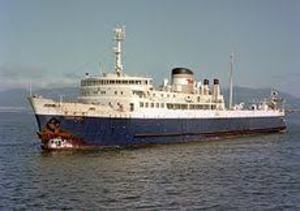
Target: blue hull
pixel 104 132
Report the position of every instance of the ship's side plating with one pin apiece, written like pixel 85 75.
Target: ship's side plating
pixel 99 126
pixel 130 131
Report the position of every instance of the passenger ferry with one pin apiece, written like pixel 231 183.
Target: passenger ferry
pixel 116 109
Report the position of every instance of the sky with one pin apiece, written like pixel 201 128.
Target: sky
pixel 53 43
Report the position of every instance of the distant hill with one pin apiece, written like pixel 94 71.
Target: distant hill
pixel 17 97
pixel 251 95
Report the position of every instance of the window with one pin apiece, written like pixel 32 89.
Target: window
pixel 169 106
pixel 176 106
pixel 157 105
pixel 152 105
pixel 116 92
pixel 141 104
pixel 131 105
pixel 121 92
pixel 162 105
pixel 50 105
pixel 147 105
pixel 183 106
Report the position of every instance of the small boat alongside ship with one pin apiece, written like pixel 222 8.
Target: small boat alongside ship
pixel 115 109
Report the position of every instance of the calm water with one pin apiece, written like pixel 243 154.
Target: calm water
pixel 254 173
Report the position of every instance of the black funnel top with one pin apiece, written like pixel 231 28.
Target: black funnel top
pixel 181 70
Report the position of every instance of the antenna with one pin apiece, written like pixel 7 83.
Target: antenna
pixel 30 89
pixel 119 38
pixel 100 68
pixel 61 98
pixel 231 82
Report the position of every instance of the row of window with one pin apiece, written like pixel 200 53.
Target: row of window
pixel 97 92
pixel 104 82
pixel 152 105
pixel 177 106
pixel 141 94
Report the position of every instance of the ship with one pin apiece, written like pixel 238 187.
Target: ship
pixel 118 110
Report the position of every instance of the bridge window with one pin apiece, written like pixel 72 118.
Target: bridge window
pixel 169 105
pixel 131 105
pixel 50 105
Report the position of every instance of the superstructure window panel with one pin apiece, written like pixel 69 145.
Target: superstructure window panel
pixel 169 105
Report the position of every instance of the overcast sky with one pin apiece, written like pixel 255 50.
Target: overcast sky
pixel 54 42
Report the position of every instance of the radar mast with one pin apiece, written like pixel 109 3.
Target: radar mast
pixel 231 82
pixel 119 33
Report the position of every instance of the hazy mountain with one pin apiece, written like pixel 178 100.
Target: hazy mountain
pixel 17 97
pixel 251 95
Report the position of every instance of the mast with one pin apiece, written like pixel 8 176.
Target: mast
pixel 231 82
pixel 119 37
pixel 30 89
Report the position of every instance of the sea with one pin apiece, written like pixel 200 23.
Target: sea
pixel 249 173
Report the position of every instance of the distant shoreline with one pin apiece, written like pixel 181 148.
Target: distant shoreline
pixel 13 109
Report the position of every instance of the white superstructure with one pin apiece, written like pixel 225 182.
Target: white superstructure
pixel 122 96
